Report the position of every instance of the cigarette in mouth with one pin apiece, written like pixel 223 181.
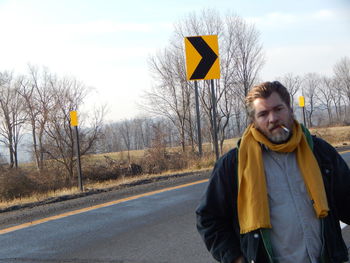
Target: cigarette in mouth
pixel 284 128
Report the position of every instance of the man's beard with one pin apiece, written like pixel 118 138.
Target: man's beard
pixel 280 137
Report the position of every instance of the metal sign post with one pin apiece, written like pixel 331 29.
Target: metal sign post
pixel 74 123
pixel 215 130
pixel 302 105
pixel 199 135
pixel 202 63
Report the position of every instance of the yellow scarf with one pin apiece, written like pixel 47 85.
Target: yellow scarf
pixel 253 208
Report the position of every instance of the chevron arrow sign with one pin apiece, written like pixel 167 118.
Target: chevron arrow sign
pixel 202 57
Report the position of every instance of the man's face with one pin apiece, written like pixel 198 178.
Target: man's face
pixel 269 114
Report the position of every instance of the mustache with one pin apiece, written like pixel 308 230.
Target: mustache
pixel 275 126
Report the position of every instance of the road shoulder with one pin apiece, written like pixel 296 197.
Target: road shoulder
pixel 36 211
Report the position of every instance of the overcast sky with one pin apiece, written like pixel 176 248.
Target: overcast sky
pixel 106 43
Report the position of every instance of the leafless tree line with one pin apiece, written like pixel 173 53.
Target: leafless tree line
pixel 39 103
pixel 327 99
pixel 141 133
pixel 135 134
pixel 326 103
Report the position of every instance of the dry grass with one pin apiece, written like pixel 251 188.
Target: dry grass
pixel 37 197
pixel 130 180
pixel 337 136
pixel 120 155
pixel 139 154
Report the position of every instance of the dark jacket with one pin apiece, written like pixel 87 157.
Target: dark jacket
pixel 217 219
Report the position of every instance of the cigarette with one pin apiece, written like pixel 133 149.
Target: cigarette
pixel 284 128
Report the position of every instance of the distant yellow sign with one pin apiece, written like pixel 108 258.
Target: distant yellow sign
pixel 202 57
pixel 73 118
pixel 301 101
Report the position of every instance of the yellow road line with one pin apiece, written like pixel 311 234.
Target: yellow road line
pixel 344 151
pixel 47 219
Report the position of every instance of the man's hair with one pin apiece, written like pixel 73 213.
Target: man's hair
pixel 264 90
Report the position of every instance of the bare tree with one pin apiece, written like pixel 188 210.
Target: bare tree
pixel 37 93
pixel 342 74
pixel 337 98
pixel 310 87
pixel 143 132
pixel 293 84
pixel 239 115
pixel 13 115
pixel 69 95
pixel 325 94
pixel 225 112
pixel 169 97
pixel 248 58
pixel 111 140
pixel 126 135
pixel 132 134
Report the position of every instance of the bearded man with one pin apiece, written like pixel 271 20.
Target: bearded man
pixel 279 195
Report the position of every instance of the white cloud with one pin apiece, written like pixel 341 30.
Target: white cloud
pixel 323 14
pixel 272 19
pixel 282 19
pixel 100 27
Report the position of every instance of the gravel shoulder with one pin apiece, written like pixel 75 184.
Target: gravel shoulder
pixel 54 206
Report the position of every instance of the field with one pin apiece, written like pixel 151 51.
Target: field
pixel 337 136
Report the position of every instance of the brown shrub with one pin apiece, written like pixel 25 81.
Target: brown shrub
pixel 100 171
pixel 109 168
pixel 159 160
pixel 14 183
pixel 206 161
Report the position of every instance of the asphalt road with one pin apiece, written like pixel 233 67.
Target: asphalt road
pixel 156 228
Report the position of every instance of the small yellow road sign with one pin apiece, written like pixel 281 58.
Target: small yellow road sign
pixel 301 101
pixel 202 57
pixel 73 118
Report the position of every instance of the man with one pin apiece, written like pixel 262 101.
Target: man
pixel 279 195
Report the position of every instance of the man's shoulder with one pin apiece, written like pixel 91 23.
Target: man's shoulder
pixel 229 156
pixel 321 144
pixel 226 161
pixel 225 168
pixel 322 148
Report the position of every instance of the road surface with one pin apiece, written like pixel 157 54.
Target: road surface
pixel 156 228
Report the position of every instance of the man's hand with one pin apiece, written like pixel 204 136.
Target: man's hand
pixel 239 260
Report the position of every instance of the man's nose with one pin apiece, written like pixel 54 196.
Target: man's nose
pixel 273 117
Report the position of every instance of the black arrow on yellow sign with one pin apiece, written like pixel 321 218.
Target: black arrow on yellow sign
pixel 208 57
